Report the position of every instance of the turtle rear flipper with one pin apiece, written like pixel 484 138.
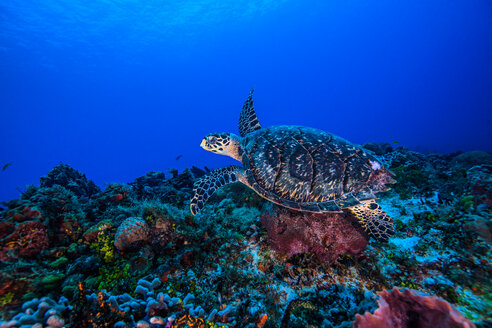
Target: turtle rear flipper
pixel 376 222
pixel 248 122
pixel 207 185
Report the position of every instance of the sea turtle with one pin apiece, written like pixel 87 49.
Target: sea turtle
pixel 300 168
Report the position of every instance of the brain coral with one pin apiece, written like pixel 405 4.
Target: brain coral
pixel 130 232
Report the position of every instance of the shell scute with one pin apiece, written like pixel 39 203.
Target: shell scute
pixel 327 182
pixel 265 162
pixel 356 173
pixel 309 207
pixel 308 169
pixel 293 181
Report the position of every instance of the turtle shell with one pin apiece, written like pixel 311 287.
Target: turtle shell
pixel 309 169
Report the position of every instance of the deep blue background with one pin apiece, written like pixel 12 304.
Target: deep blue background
pixel 119 88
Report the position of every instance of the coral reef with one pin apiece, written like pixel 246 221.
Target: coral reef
pixel 407 309
pixel 132 255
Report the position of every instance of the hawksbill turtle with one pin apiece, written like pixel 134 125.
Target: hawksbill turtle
pixel 301 168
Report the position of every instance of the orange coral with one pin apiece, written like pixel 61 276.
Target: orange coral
pixel 262 321
pixel 188 321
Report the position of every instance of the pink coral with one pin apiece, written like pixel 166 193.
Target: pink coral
pixel 408 309
pixel 130 232
pixel 326 235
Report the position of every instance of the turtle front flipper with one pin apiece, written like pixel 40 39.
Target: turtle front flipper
pixel 376 222
pixel 207 185
pixel 248 122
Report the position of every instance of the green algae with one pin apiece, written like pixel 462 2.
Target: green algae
pixel 467 202
pixel 92 282
pixel 52 280
pixel 69 291
pixel 6 299
pixel 29 296
pixel 431 217
pixel 59 263
pixel 114 276
pixel 399 225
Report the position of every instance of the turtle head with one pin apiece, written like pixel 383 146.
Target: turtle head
pixel 223 143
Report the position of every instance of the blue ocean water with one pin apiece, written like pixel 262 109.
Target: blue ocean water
pixel 120 88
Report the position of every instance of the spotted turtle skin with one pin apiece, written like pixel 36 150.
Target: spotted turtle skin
pixel 310 170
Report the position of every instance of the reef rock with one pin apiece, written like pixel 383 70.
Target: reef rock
pixel 145 184
pixel 326 235
pixel 130 232
pixel 181 180
pixel 480 180
pixel 71 179
pixel 378 148
pixel 472 158
pixel 409 309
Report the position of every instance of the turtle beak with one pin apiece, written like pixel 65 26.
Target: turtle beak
pixel 203 144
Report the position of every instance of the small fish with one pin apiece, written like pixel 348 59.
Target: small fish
pixel 394 142
pixel 179 156
pixel 6 165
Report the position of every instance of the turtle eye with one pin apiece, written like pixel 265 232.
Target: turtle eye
pixel 212 139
